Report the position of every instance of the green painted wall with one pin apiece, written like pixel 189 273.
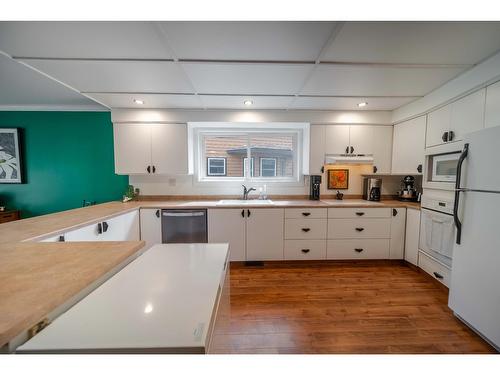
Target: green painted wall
pixel 68 157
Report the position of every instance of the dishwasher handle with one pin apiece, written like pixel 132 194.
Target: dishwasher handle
pixel 183 214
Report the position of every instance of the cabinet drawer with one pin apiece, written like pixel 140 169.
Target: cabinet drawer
pixel 348 213
pixel 305 228
pixel 434 268
pixel 358 249
pixel 305 249
pixel 359 228
pixel 306 213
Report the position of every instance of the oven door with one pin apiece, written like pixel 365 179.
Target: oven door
pixel 437 234
pixel 444 167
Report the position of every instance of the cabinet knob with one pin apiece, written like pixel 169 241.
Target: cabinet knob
pixel 154 169
pixel 438 275
pixel 394 212
pixel 358 250
pixel 360 213
pixel 99 228
pixel 444 137
pixel 305 251
pixel 61 238
pixel 360 229
pixel 352 149
pixel 306 229
pixel 347 150
pixel 419 168
pixel 451 135
pixel 306 213
pixel 242 213
pixel 148 169
pixel 375 169
pixel 248 213
pixel 157 213
pixel 105 226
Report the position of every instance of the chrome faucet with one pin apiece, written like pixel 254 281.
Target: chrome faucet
pixel 246 192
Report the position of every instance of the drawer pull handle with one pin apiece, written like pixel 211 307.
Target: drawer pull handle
pixel 360 213
pixel 360 229
pixel 306 213
pixel 358 250
pixel 438 275
pixel 306 229
pixel 305 251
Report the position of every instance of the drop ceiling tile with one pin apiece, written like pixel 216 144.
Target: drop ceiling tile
pixel 237 102
pixel 266 79
pixel 116 76
pixel 298 41
pixel 150 100
pixel 23 87
pixel 358 80
pixel 346 103
pixel 83 40
pixel 415 42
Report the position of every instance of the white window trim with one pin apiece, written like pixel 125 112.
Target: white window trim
pixel 251 167
pixel 275 165
pixel 216 174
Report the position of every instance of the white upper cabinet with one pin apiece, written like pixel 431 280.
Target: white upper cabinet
pixel 317 149
pixel 492 112
pixel 453 121
pixel 169 148
pixel 382 149
pixel 337 139
pixel 150 149
pixel 361 139
pixel 132 148
pixel 409 146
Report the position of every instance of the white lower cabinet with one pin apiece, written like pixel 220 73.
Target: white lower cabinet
pixel 359 228
pixel 253 234
pixel 358 249
pixel 412 235
pixel 305 249
pixel 398 224
pixel 434 268
pixel 150 219
pixel 228 225
pixel 264 233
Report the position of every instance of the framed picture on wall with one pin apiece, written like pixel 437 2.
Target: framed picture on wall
pixel 338 179
pixel 10 156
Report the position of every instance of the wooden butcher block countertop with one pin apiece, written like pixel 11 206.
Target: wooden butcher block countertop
pixel 37 278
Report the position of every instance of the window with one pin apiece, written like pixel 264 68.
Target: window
pixel 244 152
pixel 268 167
pixel 216 166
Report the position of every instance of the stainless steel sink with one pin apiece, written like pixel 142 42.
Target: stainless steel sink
pixel 242 202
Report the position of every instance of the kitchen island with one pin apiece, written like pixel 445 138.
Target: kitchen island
pixel 166 301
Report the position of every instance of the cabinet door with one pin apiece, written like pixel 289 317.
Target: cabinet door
pixel 336 139
pixel 408 146
pixel 86 233
pixel 265 234
pixel 398 223
pixel 317 149
pixel 382 149
pixel 492 107
pixel 467 114
pixel 150 226
pixel 169 149
pixel 132 148
pixel 228 226
pixel 361 139
pixel 438 122
pixel 412 235
pixel 121 228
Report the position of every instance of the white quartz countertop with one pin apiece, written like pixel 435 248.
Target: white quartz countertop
pixel 162 302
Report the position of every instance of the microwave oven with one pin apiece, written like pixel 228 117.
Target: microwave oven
pixel 443 168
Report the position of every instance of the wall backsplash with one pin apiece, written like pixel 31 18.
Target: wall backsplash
pixel 184 185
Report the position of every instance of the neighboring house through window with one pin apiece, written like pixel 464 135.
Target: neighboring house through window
pixel 268 167
pixel 216 166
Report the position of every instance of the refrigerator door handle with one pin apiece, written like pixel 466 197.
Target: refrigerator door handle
pixel 458 224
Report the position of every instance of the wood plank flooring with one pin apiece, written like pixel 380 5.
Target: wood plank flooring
pixel 340 307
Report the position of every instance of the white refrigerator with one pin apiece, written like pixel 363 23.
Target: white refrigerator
pixel 475 279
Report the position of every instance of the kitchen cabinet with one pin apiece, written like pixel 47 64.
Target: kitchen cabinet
pixel 228 225
pixel 264 234
pixel 409 146
pixel 150 219
pixel 382 149
pixel 150 149
pixel 361 139
pixel 337 139
pixel 317 149
pixel 123 227
pixel 435 269
pixel 412 235
pixel 453 121
pixel 492 107
pixel 398 224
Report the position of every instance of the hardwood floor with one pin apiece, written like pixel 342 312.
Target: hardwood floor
pixel 340 307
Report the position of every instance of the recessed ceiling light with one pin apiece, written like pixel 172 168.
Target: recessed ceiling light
pixel 138 101
pixel 148 308
pixel 362 104
pixel 248 102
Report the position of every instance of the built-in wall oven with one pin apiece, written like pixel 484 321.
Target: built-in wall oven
pixel 437 228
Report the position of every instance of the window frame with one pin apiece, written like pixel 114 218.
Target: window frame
pixel 197 131
pixel 217 158
pixel 251 167
pixel 275 166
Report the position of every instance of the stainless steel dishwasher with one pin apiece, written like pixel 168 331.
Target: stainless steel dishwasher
pixel 184 226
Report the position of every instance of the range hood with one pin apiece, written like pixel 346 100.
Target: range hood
pixel 355 159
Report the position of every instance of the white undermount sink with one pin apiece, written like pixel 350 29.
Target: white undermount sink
pixel 242 202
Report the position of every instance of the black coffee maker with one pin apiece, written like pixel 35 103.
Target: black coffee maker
pixel 315 187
